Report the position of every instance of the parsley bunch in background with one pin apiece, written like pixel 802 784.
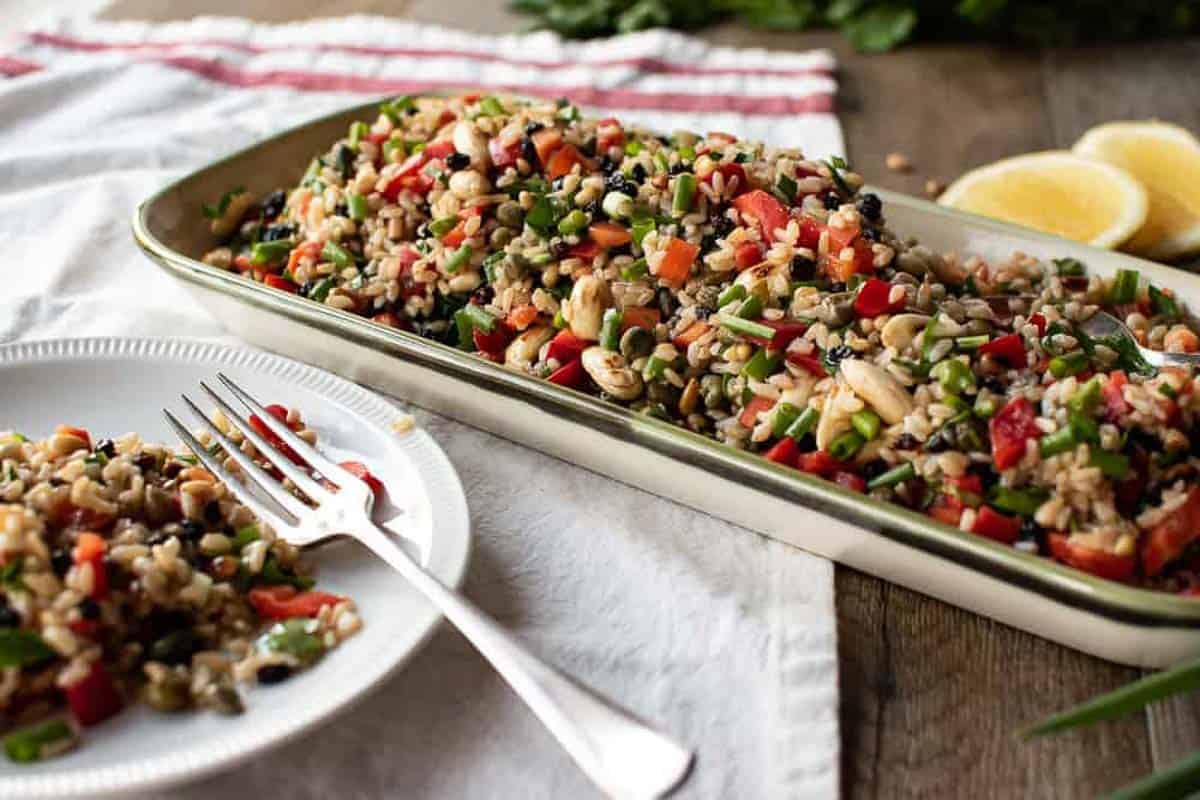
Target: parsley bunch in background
pixel 877 25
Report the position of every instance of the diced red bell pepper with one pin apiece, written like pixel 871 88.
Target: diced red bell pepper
pixel 746 255
pixel 458 233
pixel 585 250
pixel 677 261
pixel 785 452
pixel 1087 559
pixel 843 237
pixel 1113 394
pixel 997 526
pixel 564 160
pixel 873 299
pixel 609 234
pixel 1013 425
pixel 729 172
pixel 504 156
pixel 810 233
pixel 947 508
pixel 570 375
pixel 522 316
pixel 850 481
pixel 94 698
pixel 89 549
pixel 492 343
pixel 1009 348
pixel 764 207
pixel 360 471
pixel 691 333
pixel 1039 322
pixel 281 283
pixel 284 602
pixel 566 347
pixel 609 134
pixel 280 413
pixel 970 483
pixel 819 462
pixel 749 416
pixel 392 320
pixel 546 141
pixel 87 628
pixel 412 175
pixel 810 364
pixel 785 333
pixel 79 433
pixel 639 317
pixel 1167 540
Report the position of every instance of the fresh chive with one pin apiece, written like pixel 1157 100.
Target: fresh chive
pixel 985 406
pixel 633 147
pixel 760 366
pixel 443 225
pixel 900 474
pixel 357 207
pixel 1070 364
pixel 685 193
pixel 640 227
pixel 573 222
pixel 1124 287
pixel 782 418
pixel 332 251
pixel 270 252
pixel 1184 678
pixel 391 146
pixel 687 153
pixel 1113 465
pixel 804 423
pixel 744 326
pixel 396 107
pixel 479 317
pixel 358 132
pixel 1084 427
pixel 320 290
pixel 660 161
pixel 954 376
pixel 867 423
pixel 1163 305
pixel 751 308
pixel 1178 780
pixel 1086 396
pixel 491 107
pixel 845 446
pixel 1018 501
pixel 610 329
pixel 971 342
pixel 654 368
pixel 787 188
pixel 457 259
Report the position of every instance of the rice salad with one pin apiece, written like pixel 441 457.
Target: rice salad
pixel 756 296
pixel 127 571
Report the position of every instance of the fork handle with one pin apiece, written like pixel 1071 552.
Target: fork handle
pixel 623 755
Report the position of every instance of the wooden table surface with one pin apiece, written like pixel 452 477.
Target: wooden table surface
pixel 931 694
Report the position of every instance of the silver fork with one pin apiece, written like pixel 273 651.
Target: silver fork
pixel 623 755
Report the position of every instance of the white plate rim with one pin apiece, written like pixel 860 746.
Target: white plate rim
pixel 448 560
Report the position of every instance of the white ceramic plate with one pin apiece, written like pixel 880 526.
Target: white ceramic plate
pixel 111 386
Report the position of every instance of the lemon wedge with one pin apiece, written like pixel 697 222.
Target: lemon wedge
pixel 1056 192
pixel 1166 159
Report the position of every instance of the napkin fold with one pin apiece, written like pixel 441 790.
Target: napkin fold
pixel 726 638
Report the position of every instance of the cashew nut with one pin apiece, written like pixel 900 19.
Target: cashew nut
pixel 900 330
pixel 523 350
pixel 470 141
pixel 611 373
pixel 584 310
pixel 835 415
pixel 878 388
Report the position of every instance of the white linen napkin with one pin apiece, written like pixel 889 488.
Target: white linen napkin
pixel 726 638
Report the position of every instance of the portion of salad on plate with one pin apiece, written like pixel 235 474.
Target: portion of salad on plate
pixel 127 570
pixel 756 296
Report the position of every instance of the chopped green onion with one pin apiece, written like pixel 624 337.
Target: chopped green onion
pixel 687 153
pixel 744 326
pixel 559 321
pixel 638 269
pixel 1060 441
pixel 1163 305
pixel 391 146
pixel 900 474
pixel 786 187
pixel 640 227
pixel 733 292
pixel 479 317
pixel 1124 287
pixel 457 259
pixel 440 227
pixel 866 422
pixel 685 193
pixel 760 365
pixel 491 107
pixel 332 251
pixel 320 290
pixel 782 418
pixel 1070 364
pixel 804 423
pixel 1018 501
pixel 245 536
pixel 633 147
pixel 845 446
pixel 610 329
pixel 971 342
pixel 654 368
pixel 1084 427
pixel 572 222
pixel 356 205
pixel 393 109
pixel 751 308
pixel 294 637
pixel 1178 780
pixel 985 406
pixel 617 205
pixel 1086 396
pixel 270 252
pixel 358 132
pixel 1113 465
pixel 1069 267
pixel 660 161
pixel 954 376
pixel 27 744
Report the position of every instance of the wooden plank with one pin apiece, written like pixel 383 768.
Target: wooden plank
pixel 864 679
